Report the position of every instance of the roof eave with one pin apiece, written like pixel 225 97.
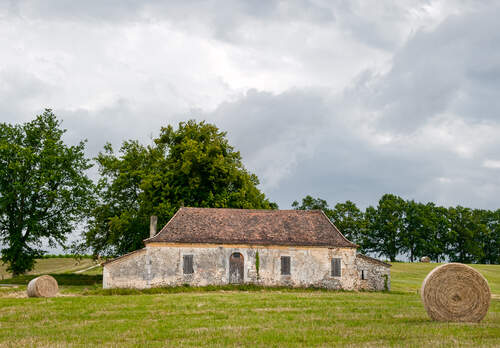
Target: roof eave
pixel 374 260
pixel 255 243
pixel 354 245
pixel 151 239
pixel 122 256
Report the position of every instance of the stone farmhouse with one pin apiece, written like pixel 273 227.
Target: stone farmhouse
pixel 216 246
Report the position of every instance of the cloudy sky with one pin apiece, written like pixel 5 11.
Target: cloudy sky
pixel 338 99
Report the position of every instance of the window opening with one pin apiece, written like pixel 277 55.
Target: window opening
pixel 285 265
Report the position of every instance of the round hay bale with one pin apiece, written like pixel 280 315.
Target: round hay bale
pixel 456 292
pixel 425 259
pixel 44 286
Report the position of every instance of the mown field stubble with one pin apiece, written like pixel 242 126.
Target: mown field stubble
pixel 88 316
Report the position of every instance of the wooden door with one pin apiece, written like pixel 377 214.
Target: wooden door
pixel 236 268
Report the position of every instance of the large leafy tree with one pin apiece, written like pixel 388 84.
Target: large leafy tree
pixel 384 225
pixel 413 228
pixel 350 221
pixel 197 167
pixel 416 228
pixel 436 232
pixel 44 190
pixel 462 243
pixel 119 222
pixel 424 230
pixel 193 165
pixel 490 238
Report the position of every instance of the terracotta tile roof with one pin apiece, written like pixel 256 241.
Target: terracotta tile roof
pixel 373 260
pixel 123 256
pixel 257 227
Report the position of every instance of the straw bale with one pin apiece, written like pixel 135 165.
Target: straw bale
pixel 43 286
pixel 456 292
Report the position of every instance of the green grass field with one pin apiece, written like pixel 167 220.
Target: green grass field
pixel 85 315
pixel 57 265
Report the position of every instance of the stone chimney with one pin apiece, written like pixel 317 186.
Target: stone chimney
pixel 152 225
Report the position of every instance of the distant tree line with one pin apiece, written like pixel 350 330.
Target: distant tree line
pixel 405 228
pixel 65 256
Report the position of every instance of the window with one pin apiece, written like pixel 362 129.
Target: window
pixel 187 265
pixel 336 267
pixel 285 265
pixel 363 274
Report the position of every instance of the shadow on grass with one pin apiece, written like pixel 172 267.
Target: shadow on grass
pixel 62 279
pixel 209 288
pixel 78 280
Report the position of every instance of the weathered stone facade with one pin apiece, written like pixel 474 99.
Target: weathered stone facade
pixel 172 263
pixel 162 265
pixel 372 274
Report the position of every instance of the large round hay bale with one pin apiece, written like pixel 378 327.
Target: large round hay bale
pixel 44 286
pixel 425 259
pixel 456 292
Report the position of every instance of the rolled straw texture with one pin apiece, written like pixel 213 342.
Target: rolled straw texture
pixel 456 292
pixel 44 286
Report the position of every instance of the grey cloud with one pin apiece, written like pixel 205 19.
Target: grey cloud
pixel 330 158
pixel 381 26
pixel 453 69
pixel 123 120
pixel 19 90
pixel 216 12
pixel 435 112
pixel 273 131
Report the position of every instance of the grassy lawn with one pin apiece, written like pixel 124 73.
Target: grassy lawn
pixel 82 316
pixel 408 277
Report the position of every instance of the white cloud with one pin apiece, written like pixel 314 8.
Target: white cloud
pixel 494 164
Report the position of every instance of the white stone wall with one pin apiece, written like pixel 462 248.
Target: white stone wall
pixel 309 267
pixel 162 266
pixel 126 272
pixel 378 276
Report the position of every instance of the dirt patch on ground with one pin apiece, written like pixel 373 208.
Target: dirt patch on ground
pixel 277 309
pixel 13 294
pixel 23 294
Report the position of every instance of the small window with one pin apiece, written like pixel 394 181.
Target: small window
pixel 285 265
pixel 187 266
pixel 363 274
pixel 336 272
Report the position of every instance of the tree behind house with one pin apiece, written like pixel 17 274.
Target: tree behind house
pixel 350 221
pixel 193 165
pixel 346 216
pixel 310 203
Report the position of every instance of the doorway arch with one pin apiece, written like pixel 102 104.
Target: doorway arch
pixel 236 268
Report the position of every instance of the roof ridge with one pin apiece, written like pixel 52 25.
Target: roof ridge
pixel 255 226
pixel 260 210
